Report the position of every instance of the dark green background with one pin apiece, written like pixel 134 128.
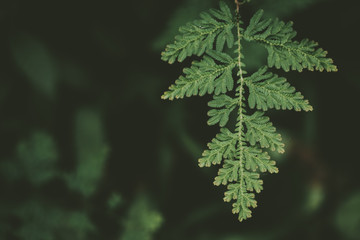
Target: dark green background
pixel 88 150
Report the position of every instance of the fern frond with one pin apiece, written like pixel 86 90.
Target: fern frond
pixel 257 159
pixel 268 90
pixel 228 173
pixel 198 36
pixel 261 130
pixel 225 105
pixel 204 77
pixel 253 182
pixel 244 200
pixel 285 53
pixel 222 146
pixel 241 152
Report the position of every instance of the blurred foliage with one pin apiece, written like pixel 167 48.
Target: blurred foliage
pixel 347 218
pixel 78 76
pixel 115 200
pixel 49 222
pixel 38 156
pixel 34 60
pixel 91 152
pixel 141 221
pixel 35 159
pixel 314 198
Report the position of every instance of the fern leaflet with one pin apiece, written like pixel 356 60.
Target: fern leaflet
pixel 285 53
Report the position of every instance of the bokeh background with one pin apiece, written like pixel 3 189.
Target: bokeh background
pixel 88 150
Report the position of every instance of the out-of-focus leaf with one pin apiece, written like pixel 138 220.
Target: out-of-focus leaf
pixel 142 221
pixel 347 218
pixel 91 152
pixel 35 61
pixel 43 222
pixel 37 157
pixel 114 201
pixel 314 199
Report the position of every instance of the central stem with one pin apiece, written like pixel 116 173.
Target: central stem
pixel 241 115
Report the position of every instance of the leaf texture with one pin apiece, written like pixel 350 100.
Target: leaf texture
pixel 196 37
pixel 257 159
pixel 277 36
pixel 206 76
pixel 268 90
pixel 222 146
pixel 261 130
pixel 223 105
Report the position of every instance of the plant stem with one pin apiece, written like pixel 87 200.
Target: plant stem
pixel 241 90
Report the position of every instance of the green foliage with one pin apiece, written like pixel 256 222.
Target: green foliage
pixel 226 105
pixel 205 76
pixel 314 198
pixel 36 159
pixel 142 221
pixel 44 222
pixel 36 62
pixel 114 201
pixel 38 156
pixel 214 27
pixel 261 130
pixel 222 146
pixel 347 218
pixel 267 90
pixel 277 36
pixel 91 152
pixel 240 151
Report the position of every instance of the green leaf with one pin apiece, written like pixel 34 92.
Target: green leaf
pixel 253 181
pixel 244 201
pixel 91 152
pixel 232 192
pixel 34 59
pixel 220 56
pixel 198 36
pixel 268 90
pixel 260 129
pixel 285 53
pixel 222 100
pixel 222 146
pixel 43 221
pixel 347 217
pixel 257 159
pixel 203 77
pixel 228 173
pixel 221 115
pixel 37 157
pixel 142 220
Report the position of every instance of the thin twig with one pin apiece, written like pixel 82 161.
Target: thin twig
pixel 238 3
